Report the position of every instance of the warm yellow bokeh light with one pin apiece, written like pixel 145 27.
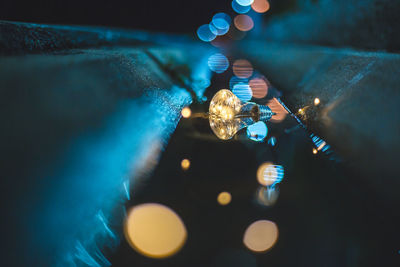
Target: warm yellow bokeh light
pixel 316 101
pixel 314 151
pixel 186 112
pixel 154 230
pixel 185 164
pixel 224 198
pixel 266 174
pixel 260 235
pixel 260 6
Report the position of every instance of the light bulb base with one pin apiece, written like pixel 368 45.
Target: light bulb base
pixel 265 113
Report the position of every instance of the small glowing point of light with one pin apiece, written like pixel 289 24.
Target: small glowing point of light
pixel 205 33
pixel 242 68
pixel 218 63
pixel 258 131
pixel 316 101
pixel 186 112
pixel 259 87
pixel 272 141
pixel 243 23
pixel 278 109
pixel 224 198
pixel 239 8
pixel 154 230
pixel 260 6
pixel 314 151
pixel 261 235
pixel 245 2
pixel 236 80
pixel 242 91
pixel 185 164
pixel 269 174
pixel 267 196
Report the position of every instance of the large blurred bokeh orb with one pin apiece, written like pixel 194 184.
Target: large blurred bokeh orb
pixel 154 230
pixel 205 33
pixel 218 63
pixel 261 236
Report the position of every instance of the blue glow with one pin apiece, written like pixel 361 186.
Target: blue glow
pixel 221 22
pixel 205 33
pixel 223 16
pixel 239 8
pixel 257 132
pixel 319 143
pixel 243 91
pixel 272 141
pixel 218 63
pixel 221 26
pixel 236 80
pixel 245 2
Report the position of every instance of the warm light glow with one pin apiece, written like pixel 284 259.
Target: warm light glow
pixel 259 87
pixel 243 23
pixel 267 196
pixel 261 236
pixel 224 198
pixel 260 6
pixel 242 68
pixel 269 174
pixel 186 112
pixel 227 114
pixel 154 230
pixel 185 164
pixel 316 101
pixel 314 151
pixel 277 108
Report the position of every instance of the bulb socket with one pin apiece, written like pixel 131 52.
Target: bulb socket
pixel 265 113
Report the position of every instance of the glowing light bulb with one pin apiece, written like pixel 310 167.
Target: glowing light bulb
pixel 228 114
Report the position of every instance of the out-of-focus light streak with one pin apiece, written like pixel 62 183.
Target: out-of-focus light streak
pixel 218 63
pixel 242 68
pixel 243 22
pixel 186 112
pixel 154 230
pixel 257 132
pixel 260 6
pixel 242 91
pixel 272 141
pixel 224 198
pixel 261 236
